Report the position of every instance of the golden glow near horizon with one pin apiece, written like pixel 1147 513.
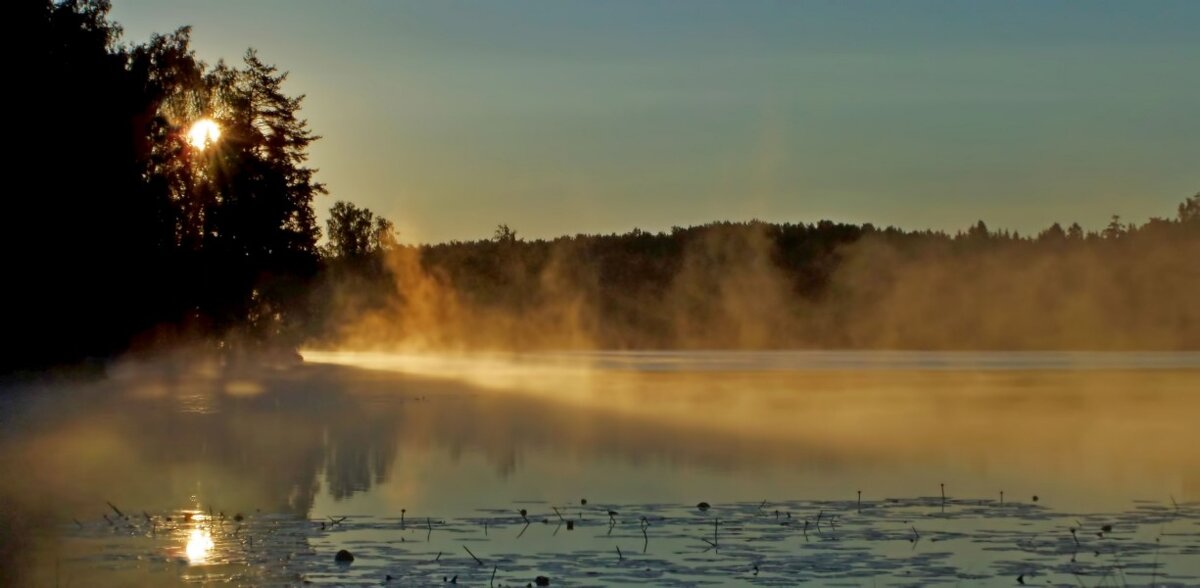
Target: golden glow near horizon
pixel 199 545
pixel 203 133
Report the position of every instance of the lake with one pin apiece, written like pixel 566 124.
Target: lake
pixel 861 468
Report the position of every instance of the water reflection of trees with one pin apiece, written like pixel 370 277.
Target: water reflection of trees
pixel 273 441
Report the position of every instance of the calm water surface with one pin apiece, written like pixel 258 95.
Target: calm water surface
pixel 427 454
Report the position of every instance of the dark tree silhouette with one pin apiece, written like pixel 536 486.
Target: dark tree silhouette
pixel 504 234
pixel 125 233
pixel 1189 210
pixel 1054 234
pixel 259 234
pixel 355 232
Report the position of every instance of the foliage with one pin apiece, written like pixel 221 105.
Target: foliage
pixel 355 233
pixel 126 234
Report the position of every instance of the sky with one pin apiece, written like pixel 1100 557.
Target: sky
pixel 564 117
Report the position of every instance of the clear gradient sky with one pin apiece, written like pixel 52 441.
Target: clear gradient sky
pixel 565 117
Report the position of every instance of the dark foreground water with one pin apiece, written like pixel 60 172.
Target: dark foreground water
pixel 1057 469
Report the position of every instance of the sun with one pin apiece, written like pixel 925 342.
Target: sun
pixel 203 133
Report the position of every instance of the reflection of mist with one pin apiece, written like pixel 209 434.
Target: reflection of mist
pixel 348 427
pixel 156 452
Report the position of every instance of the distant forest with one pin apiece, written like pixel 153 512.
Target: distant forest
pixel 758 285
pixel 123 236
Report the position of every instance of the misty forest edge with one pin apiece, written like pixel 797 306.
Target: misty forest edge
pixel 129 239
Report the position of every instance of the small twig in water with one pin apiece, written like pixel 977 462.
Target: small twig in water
pixel 477 560
pixel 645 536
pixel 115 509
pixel 620 556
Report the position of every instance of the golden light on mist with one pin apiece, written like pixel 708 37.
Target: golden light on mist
pixel 199 545
pixel 203 133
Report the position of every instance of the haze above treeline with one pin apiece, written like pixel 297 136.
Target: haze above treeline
pixel 129 238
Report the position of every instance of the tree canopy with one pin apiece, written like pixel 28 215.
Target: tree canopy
pixel 125 231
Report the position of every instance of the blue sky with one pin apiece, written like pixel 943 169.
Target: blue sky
pixel 564 117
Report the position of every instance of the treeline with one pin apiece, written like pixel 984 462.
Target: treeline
pixel 121 232
pixel 766 285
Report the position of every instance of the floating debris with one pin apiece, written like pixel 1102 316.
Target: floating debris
pixel 970 542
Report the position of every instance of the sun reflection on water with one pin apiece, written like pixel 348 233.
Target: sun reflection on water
pixel 199 546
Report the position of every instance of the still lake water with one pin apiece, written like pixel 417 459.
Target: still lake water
pixel 243 475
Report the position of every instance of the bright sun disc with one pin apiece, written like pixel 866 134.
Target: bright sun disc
pixel 203 132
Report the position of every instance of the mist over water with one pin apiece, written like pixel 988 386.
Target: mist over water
pixel 752 286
